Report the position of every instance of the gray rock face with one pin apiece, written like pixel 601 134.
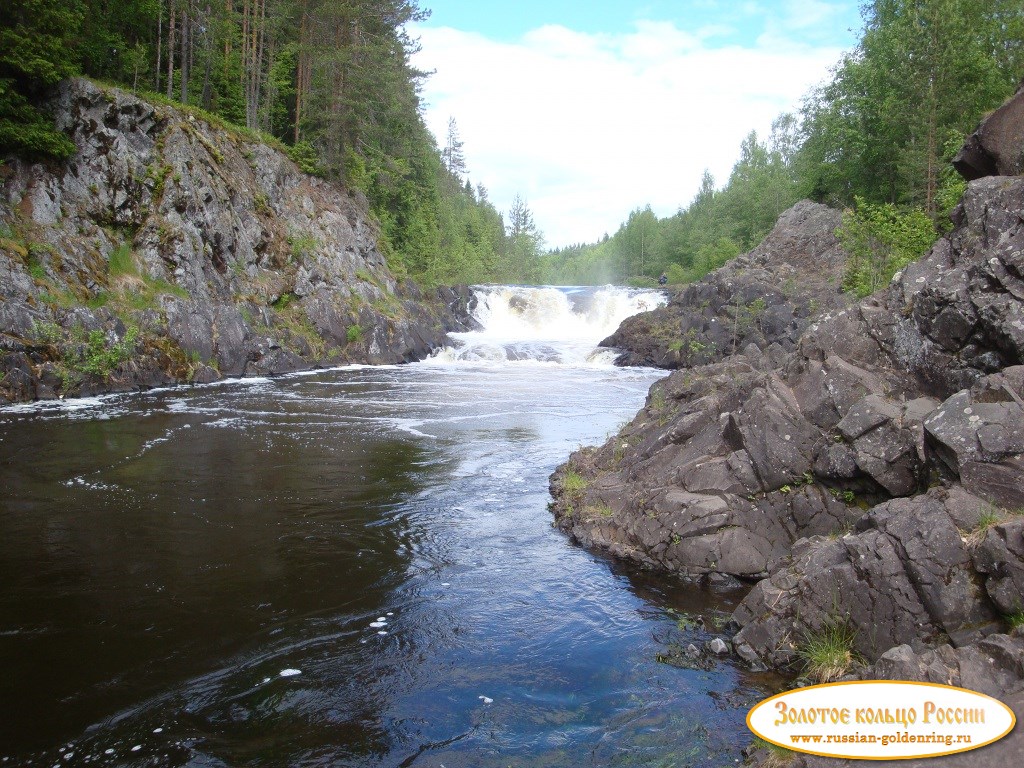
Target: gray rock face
pixel 999 557
pixel 715 475
pixel 226 257
pixel 872 475
pixel 978 435
pixel 997 147
pixel 906 575
pixel 765 298
pixel 958 313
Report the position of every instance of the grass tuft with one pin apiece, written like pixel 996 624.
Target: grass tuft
pixel 990 517
pixel 1015 619
pixel 828 653
pixel 122 262
pixel 600 510
pixel 574 485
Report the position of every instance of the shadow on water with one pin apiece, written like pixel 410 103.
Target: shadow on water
pixel 141 550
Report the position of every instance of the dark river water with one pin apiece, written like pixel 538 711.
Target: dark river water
pixel 348 568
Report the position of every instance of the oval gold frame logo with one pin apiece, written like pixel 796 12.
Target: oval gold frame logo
pixel 881 720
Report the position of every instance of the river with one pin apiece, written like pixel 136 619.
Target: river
pixel 352 567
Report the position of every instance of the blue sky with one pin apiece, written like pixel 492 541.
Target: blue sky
pixel 591 110
pixel 739 22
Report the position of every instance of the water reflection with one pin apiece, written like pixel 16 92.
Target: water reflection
pixel 350 568
pixel 140 550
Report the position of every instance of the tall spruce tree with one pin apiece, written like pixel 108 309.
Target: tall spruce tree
pixel 36 52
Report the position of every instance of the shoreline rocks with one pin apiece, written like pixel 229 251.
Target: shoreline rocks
pixel 870 476
pixel 762 300
pixel 169 250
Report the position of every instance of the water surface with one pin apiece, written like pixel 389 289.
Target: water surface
pixel 353 567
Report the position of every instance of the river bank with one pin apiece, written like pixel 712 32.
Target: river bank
pixel 871 479
pixel 172 250
pixel 350 567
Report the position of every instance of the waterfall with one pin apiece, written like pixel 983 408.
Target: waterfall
pixel 547 324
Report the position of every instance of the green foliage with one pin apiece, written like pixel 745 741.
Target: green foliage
pixel 828 653
pixel 36 53
pixel 574 485
pixel 881 239
pixel 881 129
pixel 25 130
pixel 333 85
pixel 36 269
pixel 78 352
pixel 716 227
pixel 304 155
pixel 922 75
pixel 1015 619
pixel 302 245
pixel 122 261
pixel 130 290
pixel 101 355
pixel 354 334
pixel 334 88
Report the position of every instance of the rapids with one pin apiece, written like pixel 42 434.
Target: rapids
pixel 352 567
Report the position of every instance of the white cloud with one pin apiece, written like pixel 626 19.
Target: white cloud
pixel 588 127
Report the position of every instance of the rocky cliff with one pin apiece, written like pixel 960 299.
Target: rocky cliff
pixel 170 249
pixel 872 479
pixel 766 297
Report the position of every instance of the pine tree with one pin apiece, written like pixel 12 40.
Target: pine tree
pixel 452 154
pixel 36 52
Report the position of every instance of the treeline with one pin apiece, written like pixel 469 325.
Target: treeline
pixel 331 80
pixel 875 139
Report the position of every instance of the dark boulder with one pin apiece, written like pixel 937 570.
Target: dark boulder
pixel 905 575
pixel 762 299
pixel 996 148
pixel 978 436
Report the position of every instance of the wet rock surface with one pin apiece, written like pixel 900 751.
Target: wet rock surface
pixel 195 253
pixel 765 298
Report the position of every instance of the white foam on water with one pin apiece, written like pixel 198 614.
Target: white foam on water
pixel 545 325
pixel 290 672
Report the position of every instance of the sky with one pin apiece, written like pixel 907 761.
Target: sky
pixel 589 110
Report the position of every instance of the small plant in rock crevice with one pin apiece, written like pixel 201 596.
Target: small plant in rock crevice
pixel 78 352
pixel 828 653
pixel 1015 619
pixel 601 510
pixel 574 485
pixel 991 516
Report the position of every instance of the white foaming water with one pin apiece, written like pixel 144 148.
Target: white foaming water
pixel 546 324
